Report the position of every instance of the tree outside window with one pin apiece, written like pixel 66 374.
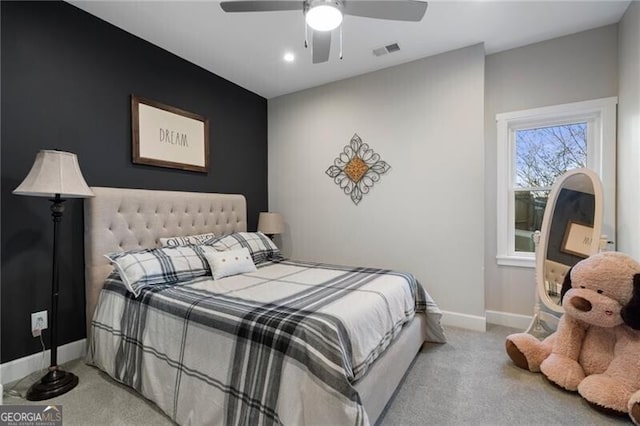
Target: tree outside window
pixel 542 155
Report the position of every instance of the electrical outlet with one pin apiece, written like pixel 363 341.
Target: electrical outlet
pixel 38 322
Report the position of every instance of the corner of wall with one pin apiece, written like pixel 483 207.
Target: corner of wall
pixel 628 180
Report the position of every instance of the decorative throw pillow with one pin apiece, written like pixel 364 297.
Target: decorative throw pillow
pixel 260 246
pixel 187 240
pixel 142 268
pixel 230 262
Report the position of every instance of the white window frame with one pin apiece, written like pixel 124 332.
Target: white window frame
pixel 600 114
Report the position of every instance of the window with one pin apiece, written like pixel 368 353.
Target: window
pixel 534 148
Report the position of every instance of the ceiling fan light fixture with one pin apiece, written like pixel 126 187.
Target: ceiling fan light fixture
pixel 324 17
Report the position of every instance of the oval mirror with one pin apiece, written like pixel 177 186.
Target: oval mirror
pixel 571 230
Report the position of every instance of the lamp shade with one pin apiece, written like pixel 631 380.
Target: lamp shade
pixel 54 172
pixel 271 223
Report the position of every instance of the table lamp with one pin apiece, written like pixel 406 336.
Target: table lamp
pixel 271 224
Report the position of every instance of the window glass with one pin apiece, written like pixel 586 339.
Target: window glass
pixel 529 212
pixel 542 154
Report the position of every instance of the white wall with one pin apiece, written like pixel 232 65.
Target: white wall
pixel 426 215
pixel 574 68
pixel 628 219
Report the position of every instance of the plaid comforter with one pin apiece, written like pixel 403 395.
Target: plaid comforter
pixel 282 345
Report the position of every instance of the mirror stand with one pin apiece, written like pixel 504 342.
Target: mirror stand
pixel 571 231
pixel 543 322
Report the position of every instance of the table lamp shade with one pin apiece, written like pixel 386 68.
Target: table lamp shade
pixel 271 223
pixel 55 172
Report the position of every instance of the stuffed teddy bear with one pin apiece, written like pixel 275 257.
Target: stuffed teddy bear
pixel 596 348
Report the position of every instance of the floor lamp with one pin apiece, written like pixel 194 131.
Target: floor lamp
pixel 56 175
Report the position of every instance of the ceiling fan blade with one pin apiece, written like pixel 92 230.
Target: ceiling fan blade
pixel 260 6
pixel 395 10
pixel 321 46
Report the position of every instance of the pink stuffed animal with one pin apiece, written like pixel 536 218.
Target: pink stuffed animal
pixel 596 348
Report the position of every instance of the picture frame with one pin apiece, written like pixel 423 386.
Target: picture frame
pixel 166 136
pixel 578 239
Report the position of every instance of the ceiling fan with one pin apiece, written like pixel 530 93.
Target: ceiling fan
pixel 323 16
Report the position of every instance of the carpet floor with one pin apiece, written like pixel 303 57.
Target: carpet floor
pixel 467 381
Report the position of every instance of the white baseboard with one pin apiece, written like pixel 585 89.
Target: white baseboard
pixel 22 367
pixel 470 322
pixel 508 319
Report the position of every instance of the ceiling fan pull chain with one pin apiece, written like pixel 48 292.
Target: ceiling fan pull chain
pixel 306 36
pixel 340 42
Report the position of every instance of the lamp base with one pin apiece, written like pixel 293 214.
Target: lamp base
pixel 56 382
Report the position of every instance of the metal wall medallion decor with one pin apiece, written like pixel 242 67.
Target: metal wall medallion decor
pixel 357 168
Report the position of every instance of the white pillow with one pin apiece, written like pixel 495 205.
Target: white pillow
pixel 187 240
pixel 230 262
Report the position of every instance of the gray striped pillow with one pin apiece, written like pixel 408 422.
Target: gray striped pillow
pixel 164 265
pixel 261 248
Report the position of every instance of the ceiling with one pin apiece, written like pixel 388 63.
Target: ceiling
pixel 248 48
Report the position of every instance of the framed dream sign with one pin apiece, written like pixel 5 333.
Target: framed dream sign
pixel 578 239
pixel 166 136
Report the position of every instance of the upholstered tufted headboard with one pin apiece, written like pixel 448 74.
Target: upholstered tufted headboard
pixel 554 273
pixel 119 219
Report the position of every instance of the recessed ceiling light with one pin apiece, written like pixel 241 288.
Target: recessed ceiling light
pixel 289 57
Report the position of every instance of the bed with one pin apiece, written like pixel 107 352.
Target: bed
pixel 167 343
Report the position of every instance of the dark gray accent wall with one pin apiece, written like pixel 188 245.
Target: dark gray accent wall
pixel 67 78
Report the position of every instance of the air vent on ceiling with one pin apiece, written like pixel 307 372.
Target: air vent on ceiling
pixel 380 51
pixel 390 48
